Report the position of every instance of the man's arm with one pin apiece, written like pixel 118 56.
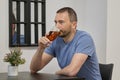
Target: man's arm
pixel 40 59
pixel 75 65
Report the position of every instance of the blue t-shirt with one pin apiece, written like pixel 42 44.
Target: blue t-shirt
pixel 82 43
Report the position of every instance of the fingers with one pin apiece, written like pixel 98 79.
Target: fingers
pixel 47 34
pixel 44 42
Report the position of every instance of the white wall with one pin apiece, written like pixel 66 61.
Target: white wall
pixel 113 37
pixel 91 18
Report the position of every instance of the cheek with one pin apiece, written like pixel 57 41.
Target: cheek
pixel 65 27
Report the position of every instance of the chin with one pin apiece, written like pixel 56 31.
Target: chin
pixel 62 36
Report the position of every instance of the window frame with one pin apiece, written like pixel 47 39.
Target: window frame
pixel 27 22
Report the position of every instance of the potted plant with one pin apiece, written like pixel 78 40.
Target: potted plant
pixel 15 59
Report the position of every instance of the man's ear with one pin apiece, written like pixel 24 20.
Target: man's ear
pixel 74 24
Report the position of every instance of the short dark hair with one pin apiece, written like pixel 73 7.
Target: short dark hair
pixel 71 13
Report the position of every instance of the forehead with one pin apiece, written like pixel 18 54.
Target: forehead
pixel 62 16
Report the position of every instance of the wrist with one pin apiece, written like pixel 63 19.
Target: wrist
pixel 41 46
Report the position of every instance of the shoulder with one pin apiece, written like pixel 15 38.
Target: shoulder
pixel 80 32
pixel 83 38
pixel 83 35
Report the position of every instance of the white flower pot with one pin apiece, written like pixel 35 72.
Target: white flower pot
pixel 12 70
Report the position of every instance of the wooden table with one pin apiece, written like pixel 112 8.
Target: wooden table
pixel 37 76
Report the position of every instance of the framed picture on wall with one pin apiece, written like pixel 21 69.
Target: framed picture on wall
pixel 26 22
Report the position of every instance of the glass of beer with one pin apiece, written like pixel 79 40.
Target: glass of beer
pixel 53 33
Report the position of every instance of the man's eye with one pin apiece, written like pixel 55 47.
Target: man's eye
pixel 61 22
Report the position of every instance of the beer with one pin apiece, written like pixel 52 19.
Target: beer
pixel 52 35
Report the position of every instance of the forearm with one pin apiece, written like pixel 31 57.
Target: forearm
pixel 36 60
pixel 73 68
pixel 68 71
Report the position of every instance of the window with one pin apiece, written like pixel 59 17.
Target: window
pixel 26 22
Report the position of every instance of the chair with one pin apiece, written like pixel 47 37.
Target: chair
pixel 106 71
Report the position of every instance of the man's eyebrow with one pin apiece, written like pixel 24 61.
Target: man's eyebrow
pixel 58 20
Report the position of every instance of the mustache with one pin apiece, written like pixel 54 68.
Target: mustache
pixel 61 31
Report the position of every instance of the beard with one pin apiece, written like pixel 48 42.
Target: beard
pixel 64 34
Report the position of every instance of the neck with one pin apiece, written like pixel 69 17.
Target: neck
pixel 69 37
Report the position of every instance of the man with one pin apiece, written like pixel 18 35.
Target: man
pixel 74 49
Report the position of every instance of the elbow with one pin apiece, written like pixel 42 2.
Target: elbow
pixel 32 71
pixel 72 74
pixel 35 69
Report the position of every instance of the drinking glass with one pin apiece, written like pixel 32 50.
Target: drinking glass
pixel 53 33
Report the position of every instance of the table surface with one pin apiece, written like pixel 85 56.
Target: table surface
pixel 36 76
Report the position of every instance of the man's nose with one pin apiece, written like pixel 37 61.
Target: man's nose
pixel 58 26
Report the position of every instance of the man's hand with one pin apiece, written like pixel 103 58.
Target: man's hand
pixel 44 42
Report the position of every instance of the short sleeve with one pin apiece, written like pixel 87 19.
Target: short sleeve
pixel 50 50
pixel 85 45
